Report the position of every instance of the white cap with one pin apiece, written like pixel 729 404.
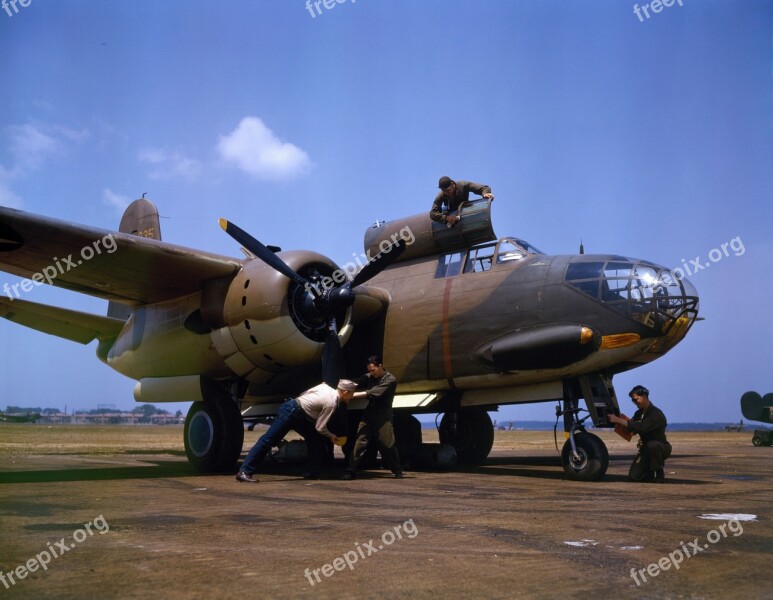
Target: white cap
pixel 347 385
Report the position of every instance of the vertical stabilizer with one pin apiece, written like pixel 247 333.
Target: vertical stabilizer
pixel 140 219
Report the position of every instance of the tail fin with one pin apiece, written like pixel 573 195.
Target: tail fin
pixel 141 219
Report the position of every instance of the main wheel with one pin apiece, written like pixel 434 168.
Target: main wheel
pixel 214 434
pixel 591 461
pixel 473 438
pixel 407 437
pixel 757 440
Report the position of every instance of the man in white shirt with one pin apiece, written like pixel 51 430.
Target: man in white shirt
pixel 313 407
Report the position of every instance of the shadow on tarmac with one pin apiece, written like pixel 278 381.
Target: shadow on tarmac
pixel 511 466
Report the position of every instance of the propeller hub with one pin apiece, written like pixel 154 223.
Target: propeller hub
pixel 339 298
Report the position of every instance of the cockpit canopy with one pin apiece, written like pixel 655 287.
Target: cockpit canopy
pixel 481 257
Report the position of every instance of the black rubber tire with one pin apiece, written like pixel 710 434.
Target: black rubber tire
pixel 407 437
pixel 757 440
pixel 214 434
pixel 594 458
pixel 474 436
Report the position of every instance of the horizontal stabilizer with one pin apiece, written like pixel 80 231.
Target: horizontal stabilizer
pixel 64 323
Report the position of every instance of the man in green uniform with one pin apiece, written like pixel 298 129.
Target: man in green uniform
pixel 376 422
pixel 650 423
pixel 451 195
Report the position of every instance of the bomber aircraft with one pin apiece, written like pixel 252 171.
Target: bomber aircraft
pixel 465 321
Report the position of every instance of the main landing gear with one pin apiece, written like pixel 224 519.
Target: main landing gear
pixel 466 437
pixel 470 432
pixel 214 432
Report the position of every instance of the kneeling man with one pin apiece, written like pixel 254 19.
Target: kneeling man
pixel 650 423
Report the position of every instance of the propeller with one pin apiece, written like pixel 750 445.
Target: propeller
pixel 259 250
pixel 327 301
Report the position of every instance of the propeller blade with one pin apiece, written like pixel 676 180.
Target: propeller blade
pixel 378 263
pixel 332 357
pixel 261 251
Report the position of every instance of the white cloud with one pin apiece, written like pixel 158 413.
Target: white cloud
pixel 254 148
pixel 170 164
pixel 7 197
pixel 30 147
pixel 117 201
pixel 72 134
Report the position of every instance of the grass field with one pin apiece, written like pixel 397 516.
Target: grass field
pixel 25 439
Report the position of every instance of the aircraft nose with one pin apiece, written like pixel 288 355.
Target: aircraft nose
pixel 644 291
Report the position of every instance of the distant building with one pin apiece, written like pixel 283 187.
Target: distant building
pixel 110 418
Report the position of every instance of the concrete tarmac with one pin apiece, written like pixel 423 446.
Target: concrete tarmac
pixel 512 528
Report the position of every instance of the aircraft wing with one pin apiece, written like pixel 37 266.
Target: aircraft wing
pixel 115 266
pixel 64 323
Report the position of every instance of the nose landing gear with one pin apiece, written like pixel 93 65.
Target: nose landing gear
pixel 584 456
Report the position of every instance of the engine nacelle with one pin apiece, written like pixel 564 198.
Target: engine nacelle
pixel 271 322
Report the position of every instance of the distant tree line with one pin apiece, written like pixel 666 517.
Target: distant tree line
pixel 34 409
pixel 146 410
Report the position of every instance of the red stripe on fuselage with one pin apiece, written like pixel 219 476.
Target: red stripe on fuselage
pixel 447 370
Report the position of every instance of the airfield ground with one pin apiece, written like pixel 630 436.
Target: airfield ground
pixel 512 528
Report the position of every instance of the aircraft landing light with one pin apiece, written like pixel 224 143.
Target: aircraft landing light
pixel 619 340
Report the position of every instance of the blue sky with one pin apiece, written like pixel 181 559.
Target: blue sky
pixel 648 138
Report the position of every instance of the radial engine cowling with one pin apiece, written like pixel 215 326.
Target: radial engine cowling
pixel 272 324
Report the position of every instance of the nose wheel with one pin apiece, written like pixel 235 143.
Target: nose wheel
pixel 584 456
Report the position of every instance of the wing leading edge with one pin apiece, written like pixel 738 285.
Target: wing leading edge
pixel 115 266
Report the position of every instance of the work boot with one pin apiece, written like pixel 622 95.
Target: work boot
pixel 348 476
pixel 399 475
pixel 660 477
pixel 245 477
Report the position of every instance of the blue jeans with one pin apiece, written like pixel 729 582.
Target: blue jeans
pixel 288 414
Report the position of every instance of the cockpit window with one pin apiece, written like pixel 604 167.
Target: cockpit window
pixel 583 270
pixel 650 294
pixel 509 250
pixel 449 265
pixel 479 259
pixel 527 246
pixel 514 249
